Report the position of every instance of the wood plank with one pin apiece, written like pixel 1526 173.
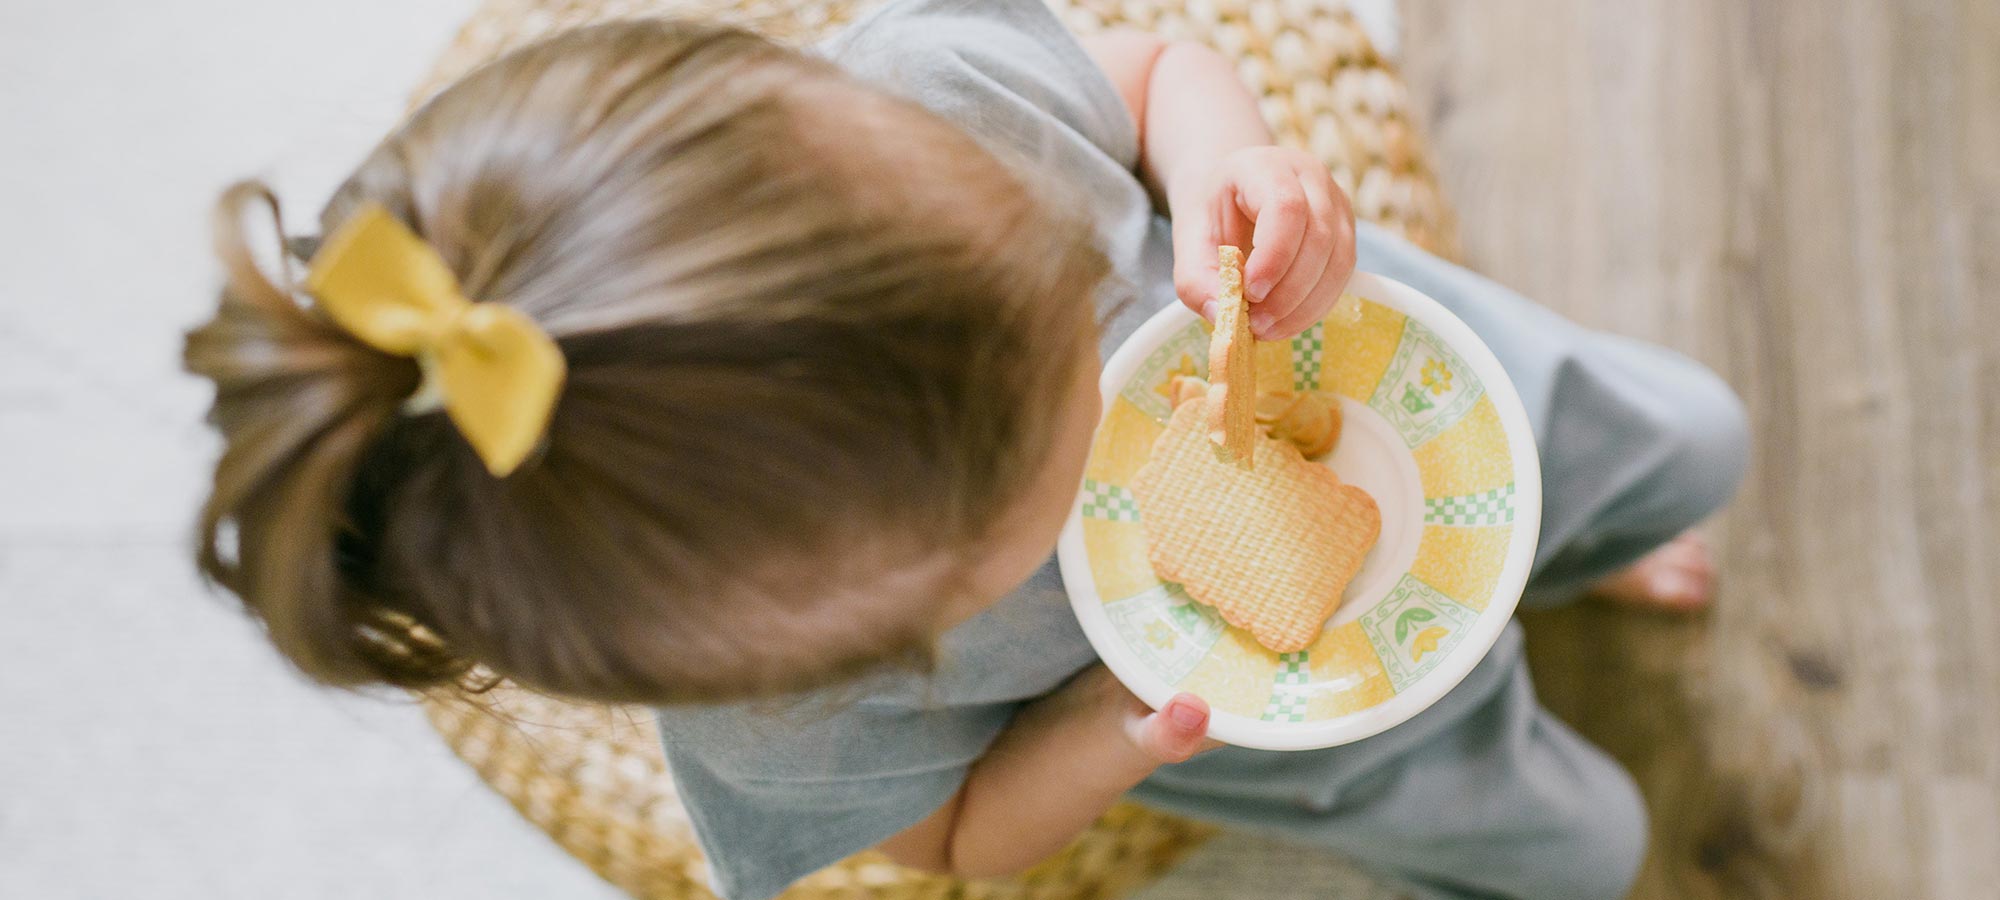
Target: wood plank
pixel 1806 197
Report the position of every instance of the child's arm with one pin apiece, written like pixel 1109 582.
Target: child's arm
pixel 1058 766
pixel 1207 159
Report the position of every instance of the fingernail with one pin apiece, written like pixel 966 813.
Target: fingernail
pixel 1185 714
pixel 1675 587
pixel 1258 289
pixel 1260 322
pixel 1208 310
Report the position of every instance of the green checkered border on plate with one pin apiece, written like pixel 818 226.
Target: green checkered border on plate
pixel 1308 350
pixel 1288 691
pixel 1494 507
pixel 1109 501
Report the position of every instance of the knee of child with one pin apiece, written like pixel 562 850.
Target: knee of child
pixel 1709 451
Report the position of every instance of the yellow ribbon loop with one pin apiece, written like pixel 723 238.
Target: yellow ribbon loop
pixel 495 372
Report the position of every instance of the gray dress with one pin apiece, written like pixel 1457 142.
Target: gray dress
pixel 1637 444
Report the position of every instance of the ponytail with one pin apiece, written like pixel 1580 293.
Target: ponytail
pixel 299 403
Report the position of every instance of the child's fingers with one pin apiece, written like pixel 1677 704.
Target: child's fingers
pixel 1177 730
pixel 1282 215
pixel 1197 285
pixel 1321 272
pixel 1302 280
pixel 1327 290
pixel 1195 278
pixel 1300 319
pixel 1195 234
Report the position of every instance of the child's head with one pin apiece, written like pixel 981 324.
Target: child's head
pixel 830 382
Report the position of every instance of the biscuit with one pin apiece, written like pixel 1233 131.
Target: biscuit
pixel 1182 388
pixel 1346 311
pixel 1232 365
pixel 1270 548
pixel 1308 420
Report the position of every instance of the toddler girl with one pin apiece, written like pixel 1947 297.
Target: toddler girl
pixel 657 363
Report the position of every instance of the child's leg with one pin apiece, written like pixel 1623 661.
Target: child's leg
pixel 1510 803
pixel 1498 800
pixel 1638 443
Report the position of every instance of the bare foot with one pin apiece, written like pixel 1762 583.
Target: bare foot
pixel 1679 576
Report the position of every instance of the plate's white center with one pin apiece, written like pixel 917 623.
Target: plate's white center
pixel 1372 456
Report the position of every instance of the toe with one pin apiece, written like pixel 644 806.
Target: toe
pixel 1677 577
pixel 1678 589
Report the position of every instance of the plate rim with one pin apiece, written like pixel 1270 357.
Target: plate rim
pixel 1243 731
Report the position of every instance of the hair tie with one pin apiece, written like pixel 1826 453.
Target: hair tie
pixel 491 368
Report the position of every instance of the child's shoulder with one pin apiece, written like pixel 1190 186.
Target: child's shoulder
pixel 991 66
pixel 935 22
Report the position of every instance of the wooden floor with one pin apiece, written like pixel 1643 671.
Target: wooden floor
pixel 1806 196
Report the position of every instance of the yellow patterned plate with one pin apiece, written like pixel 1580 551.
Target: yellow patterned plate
pixel 1434 431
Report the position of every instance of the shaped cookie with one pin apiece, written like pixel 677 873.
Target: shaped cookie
pixel 1271 547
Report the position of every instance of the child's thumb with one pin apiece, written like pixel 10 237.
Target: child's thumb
pixel 1175 732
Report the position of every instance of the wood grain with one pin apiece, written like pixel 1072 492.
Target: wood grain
pixel 1806 196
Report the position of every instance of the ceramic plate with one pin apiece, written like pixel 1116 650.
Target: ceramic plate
pixel 1434 431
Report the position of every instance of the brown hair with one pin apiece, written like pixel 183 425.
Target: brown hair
pixel 814 334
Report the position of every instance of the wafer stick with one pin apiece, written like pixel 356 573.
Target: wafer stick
pixel 1232 365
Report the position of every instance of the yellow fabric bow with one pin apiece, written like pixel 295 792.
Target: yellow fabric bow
pixel 495 372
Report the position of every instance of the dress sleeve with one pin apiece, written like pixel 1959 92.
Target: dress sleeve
pixel 1007 71
pixel 780 789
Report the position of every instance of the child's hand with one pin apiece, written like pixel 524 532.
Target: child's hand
pixel 1170 735
pixel 1293 223
pixel 1062 761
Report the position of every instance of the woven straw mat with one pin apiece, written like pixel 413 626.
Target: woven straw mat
pixel 594 778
